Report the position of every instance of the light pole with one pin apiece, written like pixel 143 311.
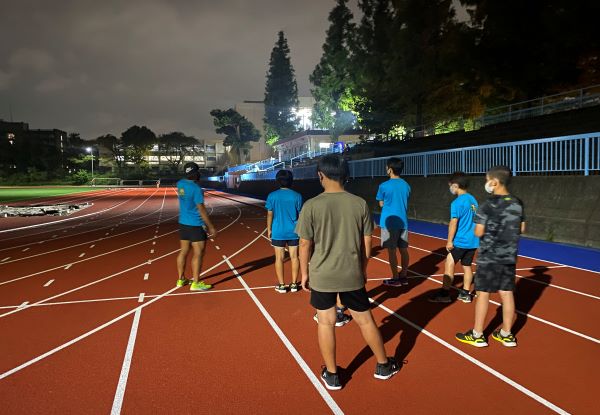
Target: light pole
pixel 91 151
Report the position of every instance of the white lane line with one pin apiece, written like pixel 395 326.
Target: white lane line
pixel 152 251
pixel 255 231
pixel 48 283
pixel 541 320
pixel 81 255
pixel 68 266
pixel 91 246
pixel 248 227
pixel 212 240
pixel 25 250
pixel 146 276
pixel 141 297
pixel 120 392
pixel 471 359
pixel 54 236
pixel 217 247
pixel 5 259
pixel 23 304
pixel 107 233
pixel 154 243
pixel 295 354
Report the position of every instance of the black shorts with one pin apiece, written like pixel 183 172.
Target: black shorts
pixel 491 278
pixel 465 256
pixel 192 233
pixel 357 300
pixel 282 243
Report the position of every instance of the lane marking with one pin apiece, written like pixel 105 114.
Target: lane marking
pixel 23 304
pixel 152 251
pixel 81 255
pixel 154 243
pixel 25 250
pixel 146 276
pixel 541 320
pixel 54 236
pixel 217 247
pixel 295 354
pixel 91 246
pixel 122 384
pixel 255 231
pixel 68 266
pixel 48 283
pixel 471 359
pixel 141 297
pixel 5 259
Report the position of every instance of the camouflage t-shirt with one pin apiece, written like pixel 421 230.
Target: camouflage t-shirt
pixel 502 217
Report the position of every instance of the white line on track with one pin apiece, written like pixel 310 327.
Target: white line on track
pixel 68 266
pixel 121 386
pixel 471 359
pixel 217 247
pixel 152 251
pixel 295 354
pixel 153 242
pixel 141 297
pixel 5 259
pixel 541 320
pixel 23 304
pixel 81 255
pixel 91 246
pixel 25 250
pixel 48 283
pixel 146 276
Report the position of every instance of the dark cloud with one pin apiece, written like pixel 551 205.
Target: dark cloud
pixel 99 67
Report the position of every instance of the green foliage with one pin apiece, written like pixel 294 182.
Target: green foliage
pixel 80 177
pixel 239 132
pixel 116 148
pixel 271 136
pixel 281 91
pixel 175 146
pixel 137 142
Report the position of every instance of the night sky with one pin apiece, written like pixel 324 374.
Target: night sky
pixel 98 67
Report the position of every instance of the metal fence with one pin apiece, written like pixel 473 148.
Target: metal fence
pixel 578 154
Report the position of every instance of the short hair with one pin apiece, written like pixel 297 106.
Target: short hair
pixel 461 179
pixel 285 178
pixel 333 167
pixel 500 173
pixel 396 164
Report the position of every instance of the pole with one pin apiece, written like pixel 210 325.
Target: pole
pixel 92 163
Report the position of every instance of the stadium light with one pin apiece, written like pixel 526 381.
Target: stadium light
pixel 90 150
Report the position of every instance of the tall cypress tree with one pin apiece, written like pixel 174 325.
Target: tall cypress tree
pixel 281 93
pixel 333 86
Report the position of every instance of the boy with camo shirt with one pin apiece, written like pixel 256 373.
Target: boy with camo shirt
pixel 499 223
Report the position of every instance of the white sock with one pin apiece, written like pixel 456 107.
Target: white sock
pixel 504 333
pixel 476 334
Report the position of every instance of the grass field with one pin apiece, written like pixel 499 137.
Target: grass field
pixel 17 194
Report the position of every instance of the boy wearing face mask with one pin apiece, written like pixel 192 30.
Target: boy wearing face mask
pixel 499 223
pixel 462 242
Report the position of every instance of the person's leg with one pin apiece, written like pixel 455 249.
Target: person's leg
pixel 448 272
pixel 326 335
pixel 481 309
pixel 404 262
pixel 508 310
pixel 182 258
pixel 371 334
pixel 467 277
pixel 341 318
pixel 295 262
pixel 393 262
pixel 197 257
pixel 279 256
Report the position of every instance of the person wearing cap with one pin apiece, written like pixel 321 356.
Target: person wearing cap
pixel 193 219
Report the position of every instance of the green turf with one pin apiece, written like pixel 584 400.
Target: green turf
pixel 18 194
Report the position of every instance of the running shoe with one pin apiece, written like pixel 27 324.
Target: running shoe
pixel 469 338
pixel 182 281
pixel 393 282
pixel 294 287
pixel 342 319
pixel 464 296
pixel 331 380
pixel 440 296
pixel 386 370
pixel 200 286
pixel 508 341
pixel 281 288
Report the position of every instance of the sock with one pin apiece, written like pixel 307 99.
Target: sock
pixel 476 334
pixel 504 333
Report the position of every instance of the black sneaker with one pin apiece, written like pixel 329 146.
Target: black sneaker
pixel 508 341
pixel 281 288
pixel 440 296
pixel 393 282
pixel 294 287
pixel 342 319
pixel 331 380
pixel 464 296
pixel 387 370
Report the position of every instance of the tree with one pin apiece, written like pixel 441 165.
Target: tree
pixel 116 148
pixel 137 141
pixel 239 132
pixel 281 93
pixel 175 146
pixel 332 80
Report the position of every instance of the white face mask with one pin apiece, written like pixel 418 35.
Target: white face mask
pixel 488 187
pixel 452 191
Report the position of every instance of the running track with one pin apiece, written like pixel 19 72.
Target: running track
pixel 90 322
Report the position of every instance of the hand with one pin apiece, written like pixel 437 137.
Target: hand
pixel 212 231
pixel 304 283
pixel 269 233
pixel 449 246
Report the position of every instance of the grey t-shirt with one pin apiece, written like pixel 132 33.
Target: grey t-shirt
pixel 336 223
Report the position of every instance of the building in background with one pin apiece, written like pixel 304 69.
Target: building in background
pixel 313 141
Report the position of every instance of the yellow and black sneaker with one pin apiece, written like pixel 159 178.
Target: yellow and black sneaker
pixel 508 341
pixel 469 338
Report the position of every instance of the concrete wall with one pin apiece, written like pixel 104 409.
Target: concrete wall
pixel 558 208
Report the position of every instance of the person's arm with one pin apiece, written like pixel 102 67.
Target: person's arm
pixel 304 253
pixel 523 228
pixel 269 223
pixel 479 230
pixel 204 215
pixel 381 203
pixel 366 254
pixel 452 226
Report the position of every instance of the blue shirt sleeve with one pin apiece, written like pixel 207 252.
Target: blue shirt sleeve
pixel 454 210
pixel 380 193
pixel 269 204
pixel 299 203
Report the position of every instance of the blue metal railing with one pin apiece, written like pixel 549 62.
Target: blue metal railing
pixel 568 154
pixel 313 154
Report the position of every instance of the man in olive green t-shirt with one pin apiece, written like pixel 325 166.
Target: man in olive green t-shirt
pixel 337 227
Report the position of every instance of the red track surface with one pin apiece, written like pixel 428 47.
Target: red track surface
pixel 66 349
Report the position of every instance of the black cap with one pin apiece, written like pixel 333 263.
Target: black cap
pixel 190 168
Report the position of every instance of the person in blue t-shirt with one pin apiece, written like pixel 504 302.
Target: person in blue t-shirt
pixel 392 196
pixel 462 241
pixel 193 219
pixel 283 208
